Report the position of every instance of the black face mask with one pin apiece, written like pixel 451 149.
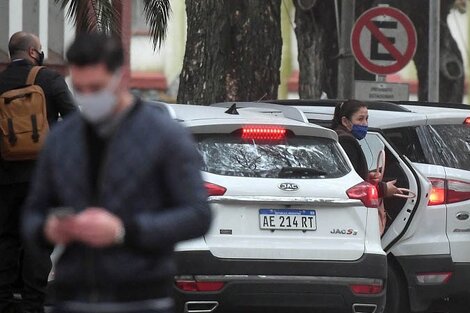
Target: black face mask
pixel 41 57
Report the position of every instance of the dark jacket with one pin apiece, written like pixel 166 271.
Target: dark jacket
pixel 354 151
pixel 150 178
pixel 58 101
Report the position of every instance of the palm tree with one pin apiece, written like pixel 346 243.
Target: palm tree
pixel 103 15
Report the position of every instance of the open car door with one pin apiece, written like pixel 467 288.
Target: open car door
pixel 402 212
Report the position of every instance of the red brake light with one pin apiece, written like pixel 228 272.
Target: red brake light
pixel 437 195
pixel 457 191
pixel 195 286
pixel 467 121
pixel 448 191
pixel 365 192
pixel 214 190
pixel 263 132
pixel 366 289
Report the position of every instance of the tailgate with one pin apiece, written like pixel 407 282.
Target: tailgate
pixel 287 228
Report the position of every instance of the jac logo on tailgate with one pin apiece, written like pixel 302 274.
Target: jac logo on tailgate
pixel 288 187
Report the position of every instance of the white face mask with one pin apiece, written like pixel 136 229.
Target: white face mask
pixel 99 106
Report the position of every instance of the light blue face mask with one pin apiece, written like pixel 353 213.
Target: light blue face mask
pixel 359 131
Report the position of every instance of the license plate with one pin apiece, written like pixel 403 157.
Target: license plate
pixel 289 219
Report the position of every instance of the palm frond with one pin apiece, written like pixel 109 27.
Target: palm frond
pixel 92 15
pixel 156 15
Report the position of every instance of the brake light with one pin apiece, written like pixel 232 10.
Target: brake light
pixel 263 132
pixel 365 192
pixel 467 121
pixel 199 286
pixel 437 195
pixel 367 289
pixel 457 191
pixel 214 190
pixel 448 191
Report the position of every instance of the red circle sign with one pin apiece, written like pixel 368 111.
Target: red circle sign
pixel 383 40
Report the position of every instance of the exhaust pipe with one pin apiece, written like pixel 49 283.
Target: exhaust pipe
pixel 364 308
pixel 200 306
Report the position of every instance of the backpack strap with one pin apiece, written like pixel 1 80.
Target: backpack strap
pixel 32 75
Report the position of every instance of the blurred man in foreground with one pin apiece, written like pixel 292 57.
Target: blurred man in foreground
pixel 118 185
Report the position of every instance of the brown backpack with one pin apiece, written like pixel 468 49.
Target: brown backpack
pixel 23 120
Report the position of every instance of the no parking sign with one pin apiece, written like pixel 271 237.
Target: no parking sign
pixel 383 40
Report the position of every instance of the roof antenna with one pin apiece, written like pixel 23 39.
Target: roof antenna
pixel 232 110
pixel 264 96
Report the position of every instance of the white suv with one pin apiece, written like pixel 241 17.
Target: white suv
pixel 433 259
pixel 295 227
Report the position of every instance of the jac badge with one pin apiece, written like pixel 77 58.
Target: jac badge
pixel 288 187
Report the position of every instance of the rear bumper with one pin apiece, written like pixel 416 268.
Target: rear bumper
pixel 274 285
pixel 423 296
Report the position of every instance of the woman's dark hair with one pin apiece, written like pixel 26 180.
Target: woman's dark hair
pixel 96 48
pixel 347 109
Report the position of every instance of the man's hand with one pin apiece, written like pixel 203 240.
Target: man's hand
pixel 57 231
pixel 96 227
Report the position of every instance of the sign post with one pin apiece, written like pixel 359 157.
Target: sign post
pixel 383 41
pixel 434 39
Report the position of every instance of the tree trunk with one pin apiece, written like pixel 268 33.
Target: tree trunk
pixel 233 51
pixel 317 44
pixel 451 78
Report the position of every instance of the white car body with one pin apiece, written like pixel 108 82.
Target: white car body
pixel 327 261
pixel 438 238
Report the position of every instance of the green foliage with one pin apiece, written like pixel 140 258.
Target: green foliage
pixel 156 14
pixel 102 16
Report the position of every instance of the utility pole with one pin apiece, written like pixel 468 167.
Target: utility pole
pixel 346 59
pixel 434 55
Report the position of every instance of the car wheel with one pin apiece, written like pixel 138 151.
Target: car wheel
pixel 397 298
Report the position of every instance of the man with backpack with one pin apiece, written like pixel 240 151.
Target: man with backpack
pixel 31 100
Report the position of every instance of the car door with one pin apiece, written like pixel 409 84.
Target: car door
pixel 400 212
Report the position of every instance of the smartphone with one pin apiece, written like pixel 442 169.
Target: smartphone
pixel 63 212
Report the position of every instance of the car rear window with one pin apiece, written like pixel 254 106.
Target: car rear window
pixel 449 145
pixel 291 157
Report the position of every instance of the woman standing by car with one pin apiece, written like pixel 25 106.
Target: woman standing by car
pixel 350 121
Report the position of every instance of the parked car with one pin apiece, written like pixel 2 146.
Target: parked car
pixel 432 258
pixel 295 227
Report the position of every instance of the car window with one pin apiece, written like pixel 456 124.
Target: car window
pixel 291 157
pixel 406 141
pixel 449 145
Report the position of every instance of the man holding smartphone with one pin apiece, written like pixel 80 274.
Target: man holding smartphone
pixel 118 185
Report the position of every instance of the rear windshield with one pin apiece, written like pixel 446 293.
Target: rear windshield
pixel 450 145
pixel 291 157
